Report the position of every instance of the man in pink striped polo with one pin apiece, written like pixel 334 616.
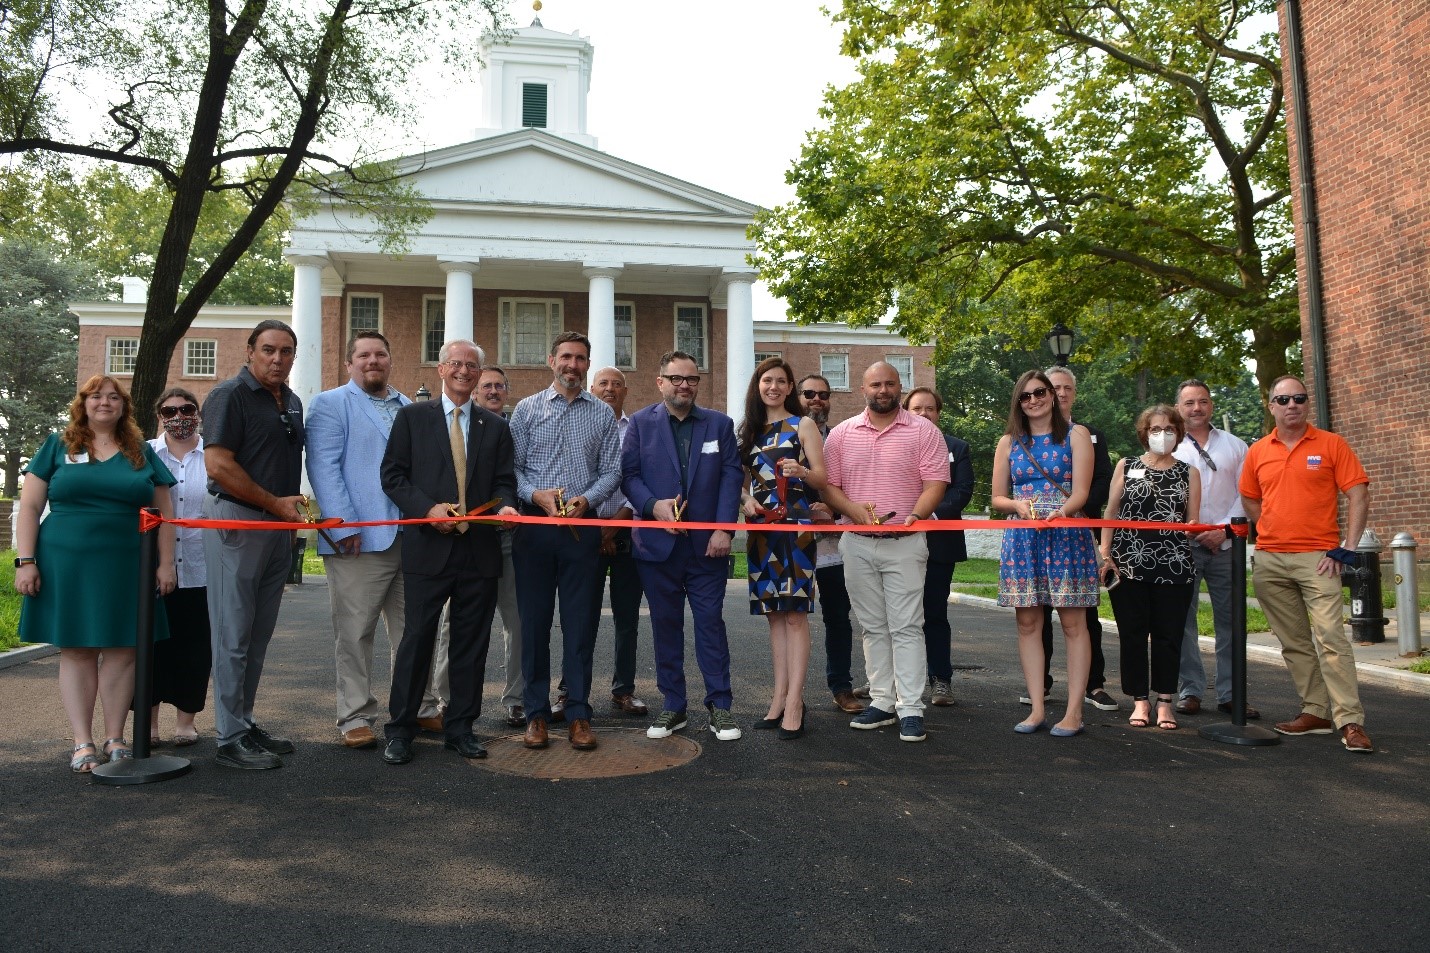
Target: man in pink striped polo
pixel 887 467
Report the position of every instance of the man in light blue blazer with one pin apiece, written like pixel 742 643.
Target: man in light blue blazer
pixel 678 454
pixel 348 428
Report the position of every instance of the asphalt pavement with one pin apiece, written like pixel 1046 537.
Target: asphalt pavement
pixel 977 839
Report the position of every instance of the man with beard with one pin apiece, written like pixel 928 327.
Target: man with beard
pixel 887 466
pixel 567 463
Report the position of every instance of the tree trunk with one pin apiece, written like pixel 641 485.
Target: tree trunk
pixel 12 475
pixel 162 333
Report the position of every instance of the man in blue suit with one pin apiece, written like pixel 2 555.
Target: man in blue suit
pixel 348 428
pixel 681 462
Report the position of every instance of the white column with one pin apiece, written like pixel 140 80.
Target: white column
pixel 601 308
pixel 306 379
pixel 459 297
pixel 739 338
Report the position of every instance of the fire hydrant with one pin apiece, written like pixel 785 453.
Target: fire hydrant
pixel 1367 611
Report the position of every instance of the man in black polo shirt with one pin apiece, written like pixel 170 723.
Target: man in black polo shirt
pixel 253 450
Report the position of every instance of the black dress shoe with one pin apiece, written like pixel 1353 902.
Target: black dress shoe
pixel 515 716
pixel 398 751
pixel 467 746
pixel 268 742
pixel 790 734
pixel 245 754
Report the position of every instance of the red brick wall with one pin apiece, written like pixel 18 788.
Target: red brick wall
pixel 232 351
pixel 1368 68
pixel 848 402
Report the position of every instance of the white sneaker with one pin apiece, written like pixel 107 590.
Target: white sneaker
pixel 1026 700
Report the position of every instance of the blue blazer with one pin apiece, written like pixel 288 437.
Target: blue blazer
pixel 346 439
pixel 650 470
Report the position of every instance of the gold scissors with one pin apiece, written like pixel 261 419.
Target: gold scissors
pixel 563 511
pixel 878 520
pixel 308 509
pixel 680 506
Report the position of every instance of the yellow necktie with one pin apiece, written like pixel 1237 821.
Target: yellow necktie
pixel 459 462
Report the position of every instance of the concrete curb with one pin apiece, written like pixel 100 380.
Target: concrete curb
pixel 27 653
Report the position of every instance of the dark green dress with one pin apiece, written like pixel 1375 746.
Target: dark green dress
pixel 88 550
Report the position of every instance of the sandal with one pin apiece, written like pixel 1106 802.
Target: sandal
pixel 85 763
pixel 120 751
pixel 1143 719
pixel 182 740
pixel 1169 723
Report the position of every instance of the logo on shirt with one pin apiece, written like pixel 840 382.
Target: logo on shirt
pixel 1313 461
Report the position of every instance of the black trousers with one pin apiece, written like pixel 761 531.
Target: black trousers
pixel 938 636
pixel 474 599
pixel 834 608
pixel 1097 675
pixel 1155 616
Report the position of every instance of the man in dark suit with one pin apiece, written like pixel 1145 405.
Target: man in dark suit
pixel 945 549
pixel 443 457
pixel 676 454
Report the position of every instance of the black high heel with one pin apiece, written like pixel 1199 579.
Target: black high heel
pixel 765 723
pixel 789 734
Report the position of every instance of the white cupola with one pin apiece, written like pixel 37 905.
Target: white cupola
pixel 536 78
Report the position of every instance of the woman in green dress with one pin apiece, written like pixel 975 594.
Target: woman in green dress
pixel 79 568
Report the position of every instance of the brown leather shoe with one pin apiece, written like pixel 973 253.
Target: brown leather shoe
pixel 581 735
pixel 558 708
pixel 845 701
pixel 431 724
pixel 1306 724
pixel 629 704
pixel 1356 740
pixel 1189 705
pixel 359 737
pixel 536 734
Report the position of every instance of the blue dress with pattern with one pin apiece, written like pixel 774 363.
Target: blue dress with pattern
pixel 1056 567
pixel 781 565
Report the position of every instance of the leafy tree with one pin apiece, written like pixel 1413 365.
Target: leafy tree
pixel 1119 165
pixel 251 97
pixel 37 364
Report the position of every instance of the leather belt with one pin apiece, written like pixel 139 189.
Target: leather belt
pixel 880 535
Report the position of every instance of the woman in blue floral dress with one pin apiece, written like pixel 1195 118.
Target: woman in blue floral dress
pixel 783 454
pixel 1041 471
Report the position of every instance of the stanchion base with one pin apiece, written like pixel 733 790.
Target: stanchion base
pixel 161 767
pixel 1236 734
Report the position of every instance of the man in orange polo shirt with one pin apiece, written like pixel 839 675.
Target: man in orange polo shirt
pixel 1289 484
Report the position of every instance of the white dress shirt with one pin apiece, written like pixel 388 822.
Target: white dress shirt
pixel 1220 498
pixel 188 498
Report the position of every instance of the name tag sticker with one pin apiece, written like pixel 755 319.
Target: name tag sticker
pixel 1134 474
pixel 77 458
pixel 710 446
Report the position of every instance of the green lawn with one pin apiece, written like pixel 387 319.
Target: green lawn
pixel 9 604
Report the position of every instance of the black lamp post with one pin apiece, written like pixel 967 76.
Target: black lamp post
pixel 423 393
pixel 1060 342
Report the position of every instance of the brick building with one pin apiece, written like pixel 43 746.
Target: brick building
pixel 1366 71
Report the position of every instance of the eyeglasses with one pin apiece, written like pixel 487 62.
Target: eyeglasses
pixel 494 385
pixel 169 411
pixel 1284 399
pixel 677 379
pixel 1037 393
pixel 812 394
pixel 288 426
pixel 470 366
pixel 1152 430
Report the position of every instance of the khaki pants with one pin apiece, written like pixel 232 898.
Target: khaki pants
pixel 1305 614
pixel 885 578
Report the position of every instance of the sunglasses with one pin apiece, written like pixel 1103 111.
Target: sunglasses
pixel 812 394
pixel 288 426
pixel 1037 393
pixel 169 411
pixel 1284 399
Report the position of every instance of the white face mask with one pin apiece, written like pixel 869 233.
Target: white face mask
pixel 1162 442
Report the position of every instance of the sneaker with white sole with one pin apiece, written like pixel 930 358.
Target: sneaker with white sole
pixel 1101 700
pixel 862 691
pixel 872 717
pixel 911 728
pixel 722 723
pixel 1026 700
pixel 666 724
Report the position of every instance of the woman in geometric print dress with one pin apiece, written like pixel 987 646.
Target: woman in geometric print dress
pixel 1054 566
pixel 1155 566
pixel 783 455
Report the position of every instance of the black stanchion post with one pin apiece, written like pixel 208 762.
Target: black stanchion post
pixel 144 767
pixel 1238 732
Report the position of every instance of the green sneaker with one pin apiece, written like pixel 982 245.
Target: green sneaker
pixel 666 724
pixel 723 724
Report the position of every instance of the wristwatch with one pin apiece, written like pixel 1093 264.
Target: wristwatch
pixel 24 561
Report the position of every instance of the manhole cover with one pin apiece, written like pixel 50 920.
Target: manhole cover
pixel 623 752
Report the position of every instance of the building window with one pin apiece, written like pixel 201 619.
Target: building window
pixel 765 356
pixel 533 105
pixel 201 358
pixel 690 333
pixel 904 364
pixel 119 355
pixel 364 313
pixel 434 328
pixel 835 369
pixel 626 336
pixel 525 330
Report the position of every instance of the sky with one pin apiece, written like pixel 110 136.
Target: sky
pixel 718 94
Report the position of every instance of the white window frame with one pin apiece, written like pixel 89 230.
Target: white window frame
pixel 190 357
pixel 364 294
pixel 507 330
pixel 427 301
pixel 126 349
pixel 832 375
pixel 907 383
pixel 632 365
pixel 703 358
pixel 766 355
